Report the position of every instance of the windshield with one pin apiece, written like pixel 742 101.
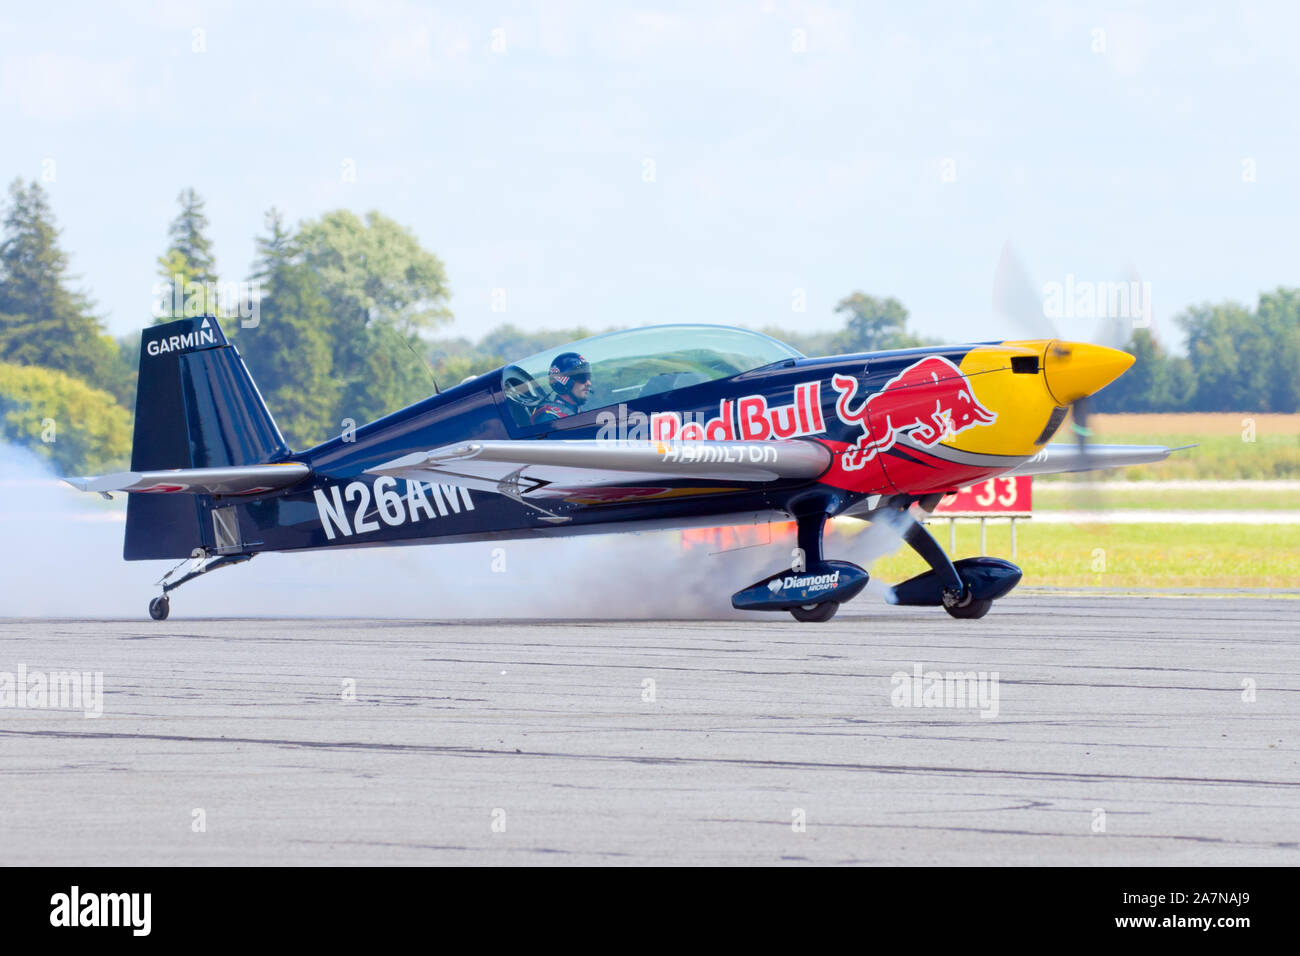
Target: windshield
pixel 632 364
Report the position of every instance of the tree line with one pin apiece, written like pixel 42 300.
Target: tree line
pixel 334 319
pixel 330 320
pixel 1238 360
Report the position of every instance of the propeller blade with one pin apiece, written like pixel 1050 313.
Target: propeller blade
pixel 1016 298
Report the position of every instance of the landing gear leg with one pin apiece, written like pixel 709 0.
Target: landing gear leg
pixel 201 562
pixel 966 589
pixel 956 595
pixel 811 528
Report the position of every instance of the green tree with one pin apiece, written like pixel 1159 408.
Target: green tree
pixel 1230 357
pixel 126 363
pixel 77 428
pixel 42 320
pixel 289 351
pixel 873 324
pixel 188 263
pixel 1279 320
pixel 1212 353
pixel 396 374
pixel 383 290
pixel 1242 360
pixel 1180 384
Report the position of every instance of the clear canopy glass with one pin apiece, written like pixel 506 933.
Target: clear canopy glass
pixel 637 363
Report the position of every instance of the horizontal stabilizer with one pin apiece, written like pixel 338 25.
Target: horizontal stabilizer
pixel 1058 459
pixel 232 480
pixel 532 466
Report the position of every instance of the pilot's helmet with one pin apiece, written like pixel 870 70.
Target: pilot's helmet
pixel 566 367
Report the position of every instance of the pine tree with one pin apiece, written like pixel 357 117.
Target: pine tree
pixel 42 320
pixel 188 263
pixel 290 350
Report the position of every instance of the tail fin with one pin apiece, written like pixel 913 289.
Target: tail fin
pixel 196 407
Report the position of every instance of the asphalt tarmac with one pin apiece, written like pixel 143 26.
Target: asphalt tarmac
pixel 1118 730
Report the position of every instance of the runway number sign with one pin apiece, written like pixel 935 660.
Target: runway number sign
pixel 1008 496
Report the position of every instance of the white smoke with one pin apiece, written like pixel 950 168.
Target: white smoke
pixel 62 557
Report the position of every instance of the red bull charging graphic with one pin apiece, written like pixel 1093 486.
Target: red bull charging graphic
pixel 928 401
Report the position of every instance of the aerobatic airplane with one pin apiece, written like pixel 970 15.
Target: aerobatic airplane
pixel 670 426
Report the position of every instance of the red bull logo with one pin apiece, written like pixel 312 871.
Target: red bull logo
pixel 748 419
pixel 928 401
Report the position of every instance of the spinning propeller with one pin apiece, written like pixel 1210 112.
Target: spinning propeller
pixel 1071 369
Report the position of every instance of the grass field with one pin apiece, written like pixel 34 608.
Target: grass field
pixel 1055 496
pixel 1227 446
pixel 1128 555
pixel 1232 447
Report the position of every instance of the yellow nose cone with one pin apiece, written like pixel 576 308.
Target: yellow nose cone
pixel 1075 370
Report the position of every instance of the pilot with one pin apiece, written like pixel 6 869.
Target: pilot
pixel 571 381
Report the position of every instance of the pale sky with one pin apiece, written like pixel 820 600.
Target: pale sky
pixel 628 164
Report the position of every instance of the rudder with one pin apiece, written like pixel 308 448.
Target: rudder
pixel 196 407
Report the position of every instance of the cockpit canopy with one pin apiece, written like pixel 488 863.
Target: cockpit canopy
pixel 638 363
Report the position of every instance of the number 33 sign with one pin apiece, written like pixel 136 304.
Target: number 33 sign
pixel 997 496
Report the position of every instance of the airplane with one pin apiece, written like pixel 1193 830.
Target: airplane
pixel 669 426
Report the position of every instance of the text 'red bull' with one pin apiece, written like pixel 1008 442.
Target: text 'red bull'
pixel 928 401
pixel 748 419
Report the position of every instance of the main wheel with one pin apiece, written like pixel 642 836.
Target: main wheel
pixel 159 608
pixel 815 613
pixel 974 609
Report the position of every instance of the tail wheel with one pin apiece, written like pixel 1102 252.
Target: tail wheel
pixel 815 613
pixel 975 609
pixel 159 608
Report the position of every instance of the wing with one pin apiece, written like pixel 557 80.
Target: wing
pixel 234 480
pixel 1056 459
pixel 557 468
